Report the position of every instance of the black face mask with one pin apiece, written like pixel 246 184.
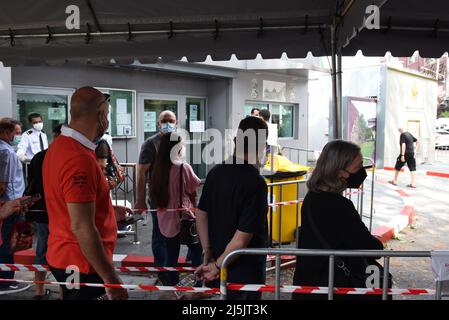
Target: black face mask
pixel 355 180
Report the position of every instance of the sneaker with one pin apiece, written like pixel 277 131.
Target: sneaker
pixel 15 288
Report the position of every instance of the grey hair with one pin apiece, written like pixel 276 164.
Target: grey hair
pixel 337 155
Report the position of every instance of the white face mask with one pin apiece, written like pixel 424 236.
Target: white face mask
pixel 38 126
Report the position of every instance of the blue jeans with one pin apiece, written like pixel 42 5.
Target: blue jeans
pixel 41 243
pixel 6 256
pixel 172 247
pixel 157 239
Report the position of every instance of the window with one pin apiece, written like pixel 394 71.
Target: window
pixel 52 107
pixel 121 112
pixel 281 114
pixel 250 105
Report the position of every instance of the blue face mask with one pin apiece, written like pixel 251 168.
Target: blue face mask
pixel 167 127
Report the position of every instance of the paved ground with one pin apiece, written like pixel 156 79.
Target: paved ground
pixel 429 231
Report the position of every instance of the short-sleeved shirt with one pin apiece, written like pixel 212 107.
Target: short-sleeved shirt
pixel 235 198
pixel 148 151
pixel 11 172
pixel 72 175
pixel 409 140
pixel 30 144
pixel 169 221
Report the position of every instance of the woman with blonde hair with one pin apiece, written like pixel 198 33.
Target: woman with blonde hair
pixel 330 221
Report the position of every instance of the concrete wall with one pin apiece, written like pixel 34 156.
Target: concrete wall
pixel 320 95
pixel 242 91
pixel 225 97
pixel 144 82
pixel 5 92
pixel 409 98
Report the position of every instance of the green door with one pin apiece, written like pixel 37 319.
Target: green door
pixel 196 124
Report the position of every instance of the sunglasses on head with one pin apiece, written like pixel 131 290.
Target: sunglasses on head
pixel 106 98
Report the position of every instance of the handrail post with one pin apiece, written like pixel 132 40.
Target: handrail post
pixel 280 218
pixel 372 199
pixel 438 290
pixel 330 294
pixel 277 293
pixel 223 282
pixel 297 215
pixel 386 276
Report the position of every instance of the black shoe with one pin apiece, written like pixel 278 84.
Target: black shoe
pixel 45 296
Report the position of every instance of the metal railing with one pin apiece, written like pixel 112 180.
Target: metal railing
pixel 309 155
pixel 361 192
pixel 124 191
pixel 331 254
pixel 300 194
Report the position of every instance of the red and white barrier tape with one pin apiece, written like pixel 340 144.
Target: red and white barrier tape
pixel 324 290
pixel 276 204
pixel 139 287
pixel 240 287
pixel 39 267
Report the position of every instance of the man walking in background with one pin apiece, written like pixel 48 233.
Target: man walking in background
pixel 408 155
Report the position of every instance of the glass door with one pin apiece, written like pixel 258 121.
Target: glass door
pixel 152 109
pixel 196 125
pixel 52 104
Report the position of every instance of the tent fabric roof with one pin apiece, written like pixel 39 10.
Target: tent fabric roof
pixel 291 26
pixel 414 25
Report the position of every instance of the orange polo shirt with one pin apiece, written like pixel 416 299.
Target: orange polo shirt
pixel 71 174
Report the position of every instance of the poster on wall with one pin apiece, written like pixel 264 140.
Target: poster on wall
pixel 149 126
pixel 362 120
pixel 197 126
pixel 149 121
pixel 56 114
pixel 123 118
pixel 193 112
pixel 122 106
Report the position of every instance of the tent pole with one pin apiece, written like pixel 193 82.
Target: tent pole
pixel 339 96
pixel 334 85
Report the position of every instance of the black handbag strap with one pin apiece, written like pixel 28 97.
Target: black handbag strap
pixel 181 187
pixel 181 194
pixel 339 261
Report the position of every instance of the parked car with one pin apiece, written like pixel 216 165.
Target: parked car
pixel 442 139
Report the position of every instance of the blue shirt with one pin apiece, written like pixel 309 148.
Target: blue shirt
pixel 11 172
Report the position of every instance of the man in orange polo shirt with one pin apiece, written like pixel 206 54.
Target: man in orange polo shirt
pixel 82 224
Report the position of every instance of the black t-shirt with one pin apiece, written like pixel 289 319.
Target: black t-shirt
pixel 36 185
pixel 235 198
pixel 148 152
pixel 409 140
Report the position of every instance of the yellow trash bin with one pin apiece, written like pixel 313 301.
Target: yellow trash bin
pixel 284 219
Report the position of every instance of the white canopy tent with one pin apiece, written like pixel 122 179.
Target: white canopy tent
pixel 120 32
